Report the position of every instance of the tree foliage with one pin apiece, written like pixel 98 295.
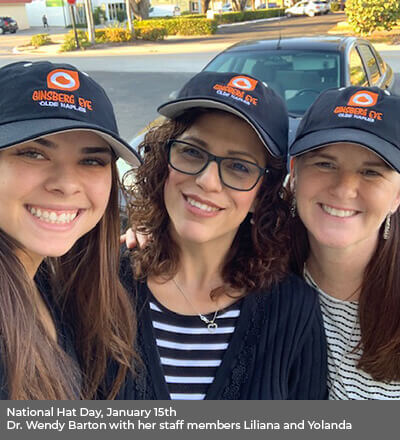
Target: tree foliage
pixel 366 16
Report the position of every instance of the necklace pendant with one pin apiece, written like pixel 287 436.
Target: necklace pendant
pixel 212 327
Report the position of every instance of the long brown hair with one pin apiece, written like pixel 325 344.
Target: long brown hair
pixel 379 301
pixel 94 305
pixel 258 257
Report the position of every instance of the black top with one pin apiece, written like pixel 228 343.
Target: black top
pixel 64 332
pixel 277 351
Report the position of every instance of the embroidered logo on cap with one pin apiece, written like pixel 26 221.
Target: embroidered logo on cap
pixel 65 81
pixel 363 98
pixel 243 82
pixel 356 107
pixel 62 79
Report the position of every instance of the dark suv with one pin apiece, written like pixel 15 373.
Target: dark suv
pixel 8 24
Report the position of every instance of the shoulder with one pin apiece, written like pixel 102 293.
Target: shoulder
pixel 298 291
pixel 135 288
pixel 292 303
pixel 125 271
pixel 292 292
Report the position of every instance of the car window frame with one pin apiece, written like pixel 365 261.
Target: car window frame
pixel 355 48
pixel 367 69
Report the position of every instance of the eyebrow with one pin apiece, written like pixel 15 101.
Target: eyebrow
pixel 369 163
pixel 86 150
pixel 230 152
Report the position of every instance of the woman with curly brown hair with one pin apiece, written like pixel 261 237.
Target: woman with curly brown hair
pixel 219 317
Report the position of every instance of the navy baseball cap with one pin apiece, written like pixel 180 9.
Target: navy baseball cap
pixel 362 115
pixel 41 98
pixel 239 94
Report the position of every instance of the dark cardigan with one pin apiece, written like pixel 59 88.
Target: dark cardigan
pixel 277 351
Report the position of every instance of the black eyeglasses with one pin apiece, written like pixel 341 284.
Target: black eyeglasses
pixel 238 174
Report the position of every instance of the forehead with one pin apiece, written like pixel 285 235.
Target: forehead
pixel 347 151
pixel 224 131
pixel 74 140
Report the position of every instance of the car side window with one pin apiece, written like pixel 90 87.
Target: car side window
pixel 370 62
pixel 381 63
pixel 358 76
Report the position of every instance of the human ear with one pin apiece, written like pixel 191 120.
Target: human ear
pixel 395 203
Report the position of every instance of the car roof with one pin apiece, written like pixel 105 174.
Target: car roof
pixel 332 43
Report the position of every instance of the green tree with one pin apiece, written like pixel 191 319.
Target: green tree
pixel 366 16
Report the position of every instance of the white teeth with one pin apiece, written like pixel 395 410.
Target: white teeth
pixel 338 212
pixel 52 217
pixel 201 206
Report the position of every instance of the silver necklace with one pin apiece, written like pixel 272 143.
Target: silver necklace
pixel 211 324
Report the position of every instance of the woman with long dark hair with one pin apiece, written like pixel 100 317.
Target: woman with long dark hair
pixel 345 182
pixel 63 312
pixel 219 316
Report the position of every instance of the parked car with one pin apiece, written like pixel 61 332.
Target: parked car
pixel 164 11
pixel 298 69
pixel 227 7
pixel 308 7
pixel 8 24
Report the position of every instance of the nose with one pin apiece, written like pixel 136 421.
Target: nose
pixel 345 185
pixel 63 180
pixel 209 179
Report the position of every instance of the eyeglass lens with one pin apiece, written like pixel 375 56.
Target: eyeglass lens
pixel 236 173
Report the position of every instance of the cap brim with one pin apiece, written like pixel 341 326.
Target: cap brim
pixel 22 131
pixel 311 141
pixel 173 109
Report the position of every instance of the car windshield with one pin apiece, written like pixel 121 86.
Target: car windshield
pixel 298 76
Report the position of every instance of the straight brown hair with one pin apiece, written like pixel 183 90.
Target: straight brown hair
pixel 93 303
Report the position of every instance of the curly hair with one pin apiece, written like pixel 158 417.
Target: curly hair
pixel 258 257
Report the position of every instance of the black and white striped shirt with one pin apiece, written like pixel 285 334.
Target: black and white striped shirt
pixel 342 328
pixel 190 355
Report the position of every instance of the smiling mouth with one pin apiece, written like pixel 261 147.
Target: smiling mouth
pixel 61 217
pixel 202 206
pixel 342 213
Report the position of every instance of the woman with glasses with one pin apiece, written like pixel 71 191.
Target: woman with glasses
pixel 219 316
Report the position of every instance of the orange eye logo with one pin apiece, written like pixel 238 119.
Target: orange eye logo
pixel 243 82
pixel 363 98
pixel 62 79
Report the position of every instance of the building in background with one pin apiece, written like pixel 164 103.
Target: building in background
pixel 16 10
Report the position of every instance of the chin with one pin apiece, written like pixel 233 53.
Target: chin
pixel 338 242
pixel 52 251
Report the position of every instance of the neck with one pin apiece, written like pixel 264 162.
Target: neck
pixel 31 263
pixel 339 272
pixel 200 268
pixel 198 274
